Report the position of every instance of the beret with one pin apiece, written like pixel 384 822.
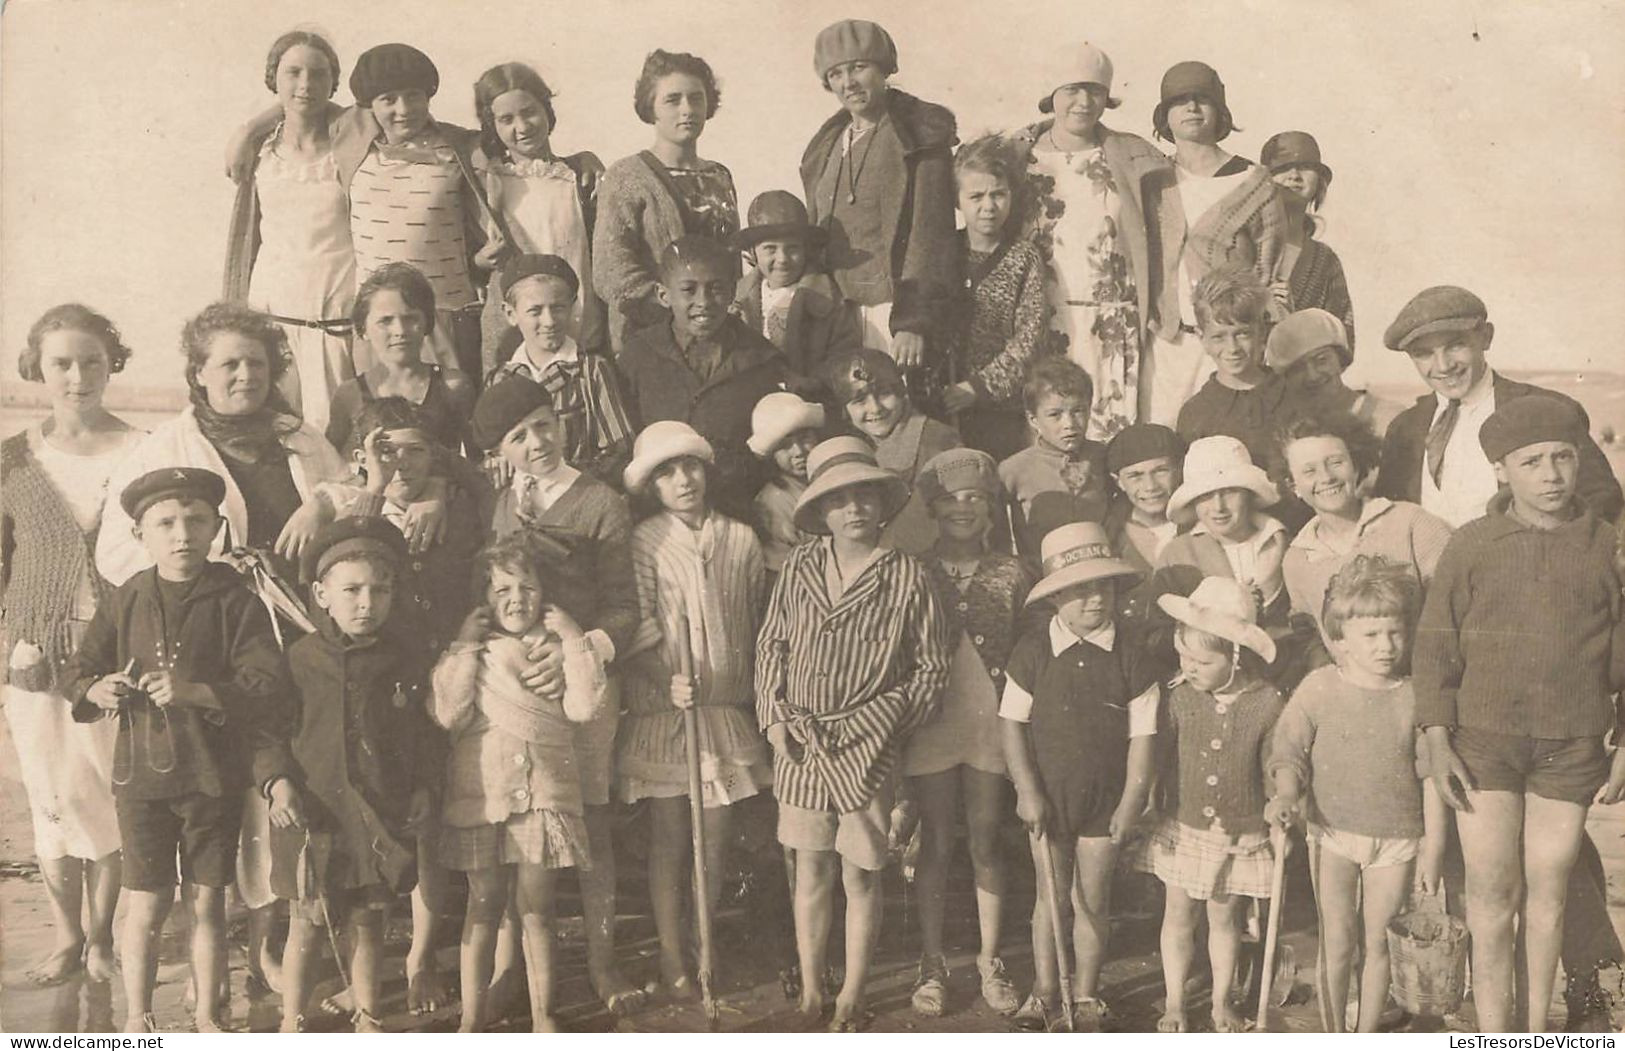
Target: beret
pixel 502 405
pixel 1527 420
pixel 352 537
pixel 1442 308
pixel 172 483
pixel 530 265
pixel 853 40
pixel 851 374
pixel 956 470
pixel 392 67
pixel 1304 332
pixel 1140 442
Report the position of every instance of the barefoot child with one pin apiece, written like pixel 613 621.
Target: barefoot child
pixel 513 807
pixel 344 819
pixel 1210 847
pixel 785 429
pixel 1078 718
pixel 955 756
pixel 870 385
pixel 1344 756
pixel 698 572
pixel 1514 692
pixel 1061 460
pixel 851 658
pixel 184 656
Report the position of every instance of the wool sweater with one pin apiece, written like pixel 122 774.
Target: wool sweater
pixel 1046 488
pixel 1213 750
pixel 1002 323
pixel 1399 532
pixel 1516 634
pixel 918 209
pixel 1354 751
pixel 221 639
pixel 1251 416
pixel 638 217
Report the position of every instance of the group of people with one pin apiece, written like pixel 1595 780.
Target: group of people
pixel 1024 462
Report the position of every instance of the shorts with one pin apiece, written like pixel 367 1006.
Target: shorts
pixel 858 836
pixel 201 829
pixel 1567 769
pixel 342 903
pixel 1367 852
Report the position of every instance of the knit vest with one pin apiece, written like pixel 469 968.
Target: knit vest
pixel 40 589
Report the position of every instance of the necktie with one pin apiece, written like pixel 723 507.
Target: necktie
pixel 1439 437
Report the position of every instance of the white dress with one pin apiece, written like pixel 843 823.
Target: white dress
pixel 305 269
pixel 67 767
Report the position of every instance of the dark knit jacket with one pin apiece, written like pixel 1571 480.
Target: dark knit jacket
pixel 225 641
pixel 1516 635
pixel 1403 450
pixel 43 556
pixel 989 610
pixel 924 265
pixel 660 385
pixel 1188 757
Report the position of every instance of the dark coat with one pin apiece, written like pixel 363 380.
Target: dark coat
pixel 820 325
pixel 1404 449
pixel 225 641
pixel 362 744
pixel 924 262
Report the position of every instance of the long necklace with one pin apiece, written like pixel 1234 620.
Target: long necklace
pixel 854 171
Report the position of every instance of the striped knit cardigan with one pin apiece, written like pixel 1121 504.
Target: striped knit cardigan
pixel 853 678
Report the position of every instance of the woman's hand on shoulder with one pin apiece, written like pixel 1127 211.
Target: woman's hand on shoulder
pixel 589 172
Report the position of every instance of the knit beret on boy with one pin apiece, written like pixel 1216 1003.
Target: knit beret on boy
pixel 1442 308
pixel 1140 442
pixel 1527 420
pixel 853 40
pixel 172 483
pixel 358 536
pixel 392 67
pixel 530 265
pixel 852 374
pixel 502 405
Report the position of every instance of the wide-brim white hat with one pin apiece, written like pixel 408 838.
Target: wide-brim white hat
pixel 1214 463
pixel 659 443
pixel 1223 607
pixel 1076 553
pixel 838 463
pixel 779 415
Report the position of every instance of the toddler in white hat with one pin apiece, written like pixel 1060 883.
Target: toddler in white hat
pixel 783 429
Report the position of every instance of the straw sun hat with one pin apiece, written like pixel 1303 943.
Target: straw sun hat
pixel 840 463
pixel 1214 463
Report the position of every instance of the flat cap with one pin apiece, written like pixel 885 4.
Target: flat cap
pixel 1442 308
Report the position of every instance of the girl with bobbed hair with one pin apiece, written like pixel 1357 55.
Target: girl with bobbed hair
pixel 53 484
pixel 654 197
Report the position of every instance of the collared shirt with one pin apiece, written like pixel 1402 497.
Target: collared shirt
pixel 1468 479
pixel 1017 704
pixel 587 399
pixel 776 311
pixel 538 492
pixel 1398 531
pixel 523 364
pixel 836 583
pixel 852 677
pixel 1255 561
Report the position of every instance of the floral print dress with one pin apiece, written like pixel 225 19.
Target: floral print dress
pixel 1094 318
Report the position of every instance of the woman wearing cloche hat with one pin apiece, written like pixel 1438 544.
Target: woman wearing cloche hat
pixel 1314 272
pixel 1090 227
pixel 1209 209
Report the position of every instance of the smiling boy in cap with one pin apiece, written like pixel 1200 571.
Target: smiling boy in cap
pixel 1431 454
pixel 1514 688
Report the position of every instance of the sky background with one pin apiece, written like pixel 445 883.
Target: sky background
pixel 1476 143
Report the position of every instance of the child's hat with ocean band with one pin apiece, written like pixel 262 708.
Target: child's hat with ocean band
pixel 530 265
pixel 956 471
pixel 838 463
pixel 1076 64
pixel 1525 421
pixel 853 40
pixel 1214 463
pixel 392 67
pixel 853 373
pixel 1223 607
pixel 356 536
pixel 171 483
pixel 662 442
pixel 502 405
pixel 1076 553
pixel 775 215
pixel 1304 332
pixel 779 415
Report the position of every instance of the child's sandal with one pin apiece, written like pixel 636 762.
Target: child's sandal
pixel 1090 1015
pixel 998 991
pixel 1034 1015
pixel 366 1022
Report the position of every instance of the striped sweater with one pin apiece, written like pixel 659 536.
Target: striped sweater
pixel 853 678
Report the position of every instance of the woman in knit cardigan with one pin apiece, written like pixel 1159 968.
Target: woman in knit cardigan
pixel 654 197
pixel 53 480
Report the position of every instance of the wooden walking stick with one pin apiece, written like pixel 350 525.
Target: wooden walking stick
pixel 1062 964
pixel 1273 929
pixel 696 809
